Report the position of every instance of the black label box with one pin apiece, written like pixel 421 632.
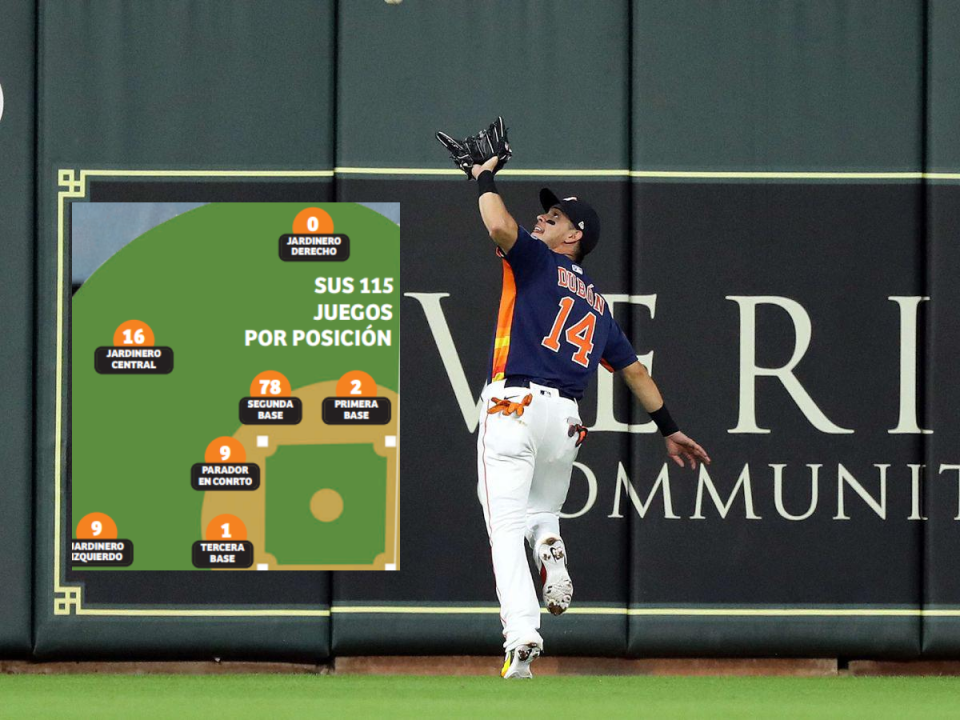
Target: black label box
pixel 101 553
pixel 271 411
pixel 133 361
pixel 356 410
pixel 314 248
pixel 225 476
pixel 222 554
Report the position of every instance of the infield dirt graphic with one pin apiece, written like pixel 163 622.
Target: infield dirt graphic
pixel 348 528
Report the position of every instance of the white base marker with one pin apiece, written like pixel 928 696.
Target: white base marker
pixel 263 441
pixel 391 440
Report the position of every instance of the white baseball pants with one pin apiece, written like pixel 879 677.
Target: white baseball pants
pixel 524 465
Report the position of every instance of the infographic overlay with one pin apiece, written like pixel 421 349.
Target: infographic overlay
pixel 234 393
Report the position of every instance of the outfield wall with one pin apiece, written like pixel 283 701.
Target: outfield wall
pixel 778 186
pixel 17 363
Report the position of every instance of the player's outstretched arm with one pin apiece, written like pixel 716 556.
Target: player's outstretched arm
pixel 500 223
pixel 679 446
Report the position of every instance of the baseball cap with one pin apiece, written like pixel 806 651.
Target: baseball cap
pixel 581 215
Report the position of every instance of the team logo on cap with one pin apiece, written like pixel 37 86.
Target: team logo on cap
pixel 574 197
pixel 580 224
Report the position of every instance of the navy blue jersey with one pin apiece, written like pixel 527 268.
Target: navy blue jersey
pixel 553 326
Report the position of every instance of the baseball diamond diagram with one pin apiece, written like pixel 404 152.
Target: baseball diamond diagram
pixel 234 393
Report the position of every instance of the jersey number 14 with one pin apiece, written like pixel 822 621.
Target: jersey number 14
pixel 580 335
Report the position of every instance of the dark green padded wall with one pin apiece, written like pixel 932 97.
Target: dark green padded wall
pixel 174 86
pixel 559 76
pixel 782 85
pixel 18 84
pixel 647 85
pixel 941 633
pixel 777 87
pixel 943 79
pixel 187 84
pixel 556 73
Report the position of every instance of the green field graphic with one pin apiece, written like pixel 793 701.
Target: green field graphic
pixel 200 281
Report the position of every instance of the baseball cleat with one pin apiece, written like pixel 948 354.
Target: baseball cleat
pixel 557 586
pixel 517 662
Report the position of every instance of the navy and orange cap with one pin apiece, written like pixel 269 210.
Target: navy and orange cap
pixel 581 215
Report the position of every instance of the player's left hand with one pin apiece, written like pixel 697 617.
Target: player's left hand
pixel 679 446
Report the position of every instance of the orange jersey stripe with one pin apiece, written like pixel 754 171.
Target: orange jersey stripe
pixel 501 344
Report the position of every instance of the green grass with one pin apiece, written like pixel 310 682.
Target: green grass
pixel 285 696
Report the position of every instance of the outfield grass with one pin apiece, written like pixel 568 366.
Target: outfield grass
pixel 283 696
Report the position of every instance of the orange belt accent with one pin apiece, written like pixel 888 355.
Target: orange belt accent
pixel 508 407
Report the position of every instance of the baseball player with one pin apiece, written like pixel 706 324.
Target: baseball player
pixel 553 329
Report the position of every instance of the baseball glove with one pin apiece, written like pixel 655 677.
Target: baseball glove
pixel 477 149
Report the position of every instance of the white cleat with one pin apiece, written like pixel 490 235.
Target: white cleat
pixel 517 662
pixel 557 586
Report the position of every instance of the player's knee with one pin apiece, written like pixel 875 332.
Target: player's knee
pixel 513 523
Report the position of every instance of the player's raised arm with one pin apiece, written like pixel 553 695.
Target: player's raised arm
pixel 500 223
pixel 479 156
pixel 679 446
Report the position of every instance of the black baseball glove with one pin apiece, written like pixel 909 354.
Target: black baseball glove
pixel 479 148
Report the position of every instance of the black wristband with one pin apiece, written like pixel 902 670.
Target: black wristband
pixel 664 422
pixel 485 182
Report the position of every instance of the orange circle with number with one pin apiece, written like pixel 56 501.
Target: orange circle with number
pixel 270 383
pixel 96 526
pixel 226 527
pixel 312 221
pixel 133 333
pixel 356 383
pixel 225 450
